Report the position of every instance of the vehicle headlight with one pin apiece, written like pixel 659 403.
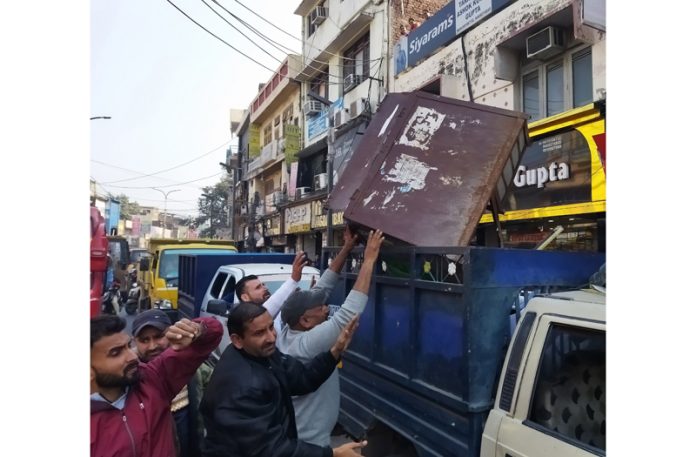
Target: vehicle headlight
pixel 163 304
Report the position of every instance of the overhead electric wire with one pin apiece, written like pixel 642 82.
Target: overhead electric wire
pixel 241 33
pixel 276 45
pixel 287 33
pixel 168 185
pixel 162 171
pixel 261 35
pixel 199 25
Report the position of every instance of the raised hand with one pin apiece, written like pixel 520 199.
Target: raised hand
pixel 350 239
pixel 182 333
pixel 374 242
pixel 297 265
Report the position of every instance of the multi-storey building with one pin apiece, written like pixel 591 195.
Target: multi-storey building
pixel 543 57
pixel 269 139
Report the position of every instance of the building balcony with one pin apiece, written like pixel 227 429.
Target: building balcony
pixel 346 22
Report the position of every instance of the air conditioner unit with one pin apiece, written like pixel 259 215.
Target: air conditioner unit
pixel 312 107
pixel 352 80
pixel 546 43
pixel 301 192
pixel 319 15
pixel 339 118
pixel 321 181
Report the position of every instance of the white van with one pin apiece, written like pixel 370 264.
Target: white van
pixel 551 398
pixel 273 275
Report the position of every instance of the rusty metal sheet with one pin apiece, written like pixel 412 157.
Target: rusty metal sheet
pixel 428 165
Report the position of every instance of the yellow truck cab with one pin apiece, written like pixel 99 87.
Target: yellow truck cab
pixel 158 274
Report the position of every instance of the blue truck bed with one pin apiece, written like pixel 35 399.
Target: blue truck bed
pixel 425 360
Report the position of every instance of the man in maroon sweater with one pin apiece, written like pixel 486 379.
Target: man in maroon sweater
pixel 130 400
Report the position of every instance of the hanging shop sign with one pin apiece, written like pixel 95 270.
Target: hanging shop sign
pixel 292 142
pixel 298 218
pixel 254 141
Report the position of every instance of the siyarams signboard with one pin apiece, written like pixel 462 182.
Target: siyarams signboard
pixel 442 28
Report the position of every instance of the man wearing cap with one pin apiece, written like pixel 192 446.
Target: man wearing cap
pixel 306 333
pixel 130 400
pixel 150 341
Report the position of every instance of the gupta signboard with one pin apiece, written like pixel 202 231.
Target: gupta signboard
pixel 555 170
pixel 442 28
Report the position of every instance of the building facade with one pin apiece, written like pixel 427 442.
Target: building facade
pixel 542 57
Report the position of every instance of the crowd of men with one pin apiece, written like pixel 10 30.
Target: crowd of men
pixel 273 393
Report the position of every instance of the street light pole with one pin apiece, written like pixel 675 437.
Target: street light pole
pixel 166 194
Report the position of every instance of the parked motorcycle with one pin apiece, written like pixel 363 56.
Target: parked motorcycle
pixel 111 300
pixel 133 293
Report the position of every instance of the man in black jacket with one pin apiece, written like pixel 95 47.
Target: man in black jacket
pixel 247 407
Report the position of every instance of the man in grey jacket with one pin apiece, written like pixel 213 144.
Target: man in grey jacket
pixel 307 332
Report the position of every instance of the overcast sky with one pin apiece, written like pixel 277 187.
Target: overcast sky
pixel 168 86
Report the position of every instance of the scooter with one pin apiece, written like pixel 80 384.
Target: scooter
pixel 111 300
pixel 133 299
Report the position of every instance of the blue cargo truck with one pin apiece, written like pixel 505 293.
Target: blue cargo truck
pixel 419 377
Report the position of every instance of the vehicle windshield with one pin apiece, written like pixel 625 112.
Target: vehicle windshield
pixel 136 255
pixel 169 262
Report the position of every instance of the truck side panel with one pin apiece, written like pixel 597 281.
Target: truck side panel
pixel 425 358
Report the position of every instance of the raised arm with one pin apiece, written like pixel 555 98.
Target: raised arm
pixel 276 300
pixel 321 337
pixel 191 344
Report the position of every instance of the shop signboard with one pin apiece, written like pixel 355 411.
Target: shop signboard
pixel 254 141
pixel 298 218
pixel 317 124
pixel 292 142
pixel 343 148
pixel 337 218
pixel 272 226
pixel 555 170
pixel 443 27
pixel 135 227
pixel 318 215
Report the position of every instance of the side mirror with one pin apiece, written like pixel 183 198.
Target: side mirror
pixel 144 264
pixel 218 307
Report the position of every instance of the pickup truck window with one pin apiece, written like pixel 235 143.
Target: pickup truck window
pixel 570 393
pixel 217 284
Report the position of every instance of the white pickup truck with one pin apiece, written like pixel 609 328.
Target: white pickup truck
pixel 551 398
pixel 273 275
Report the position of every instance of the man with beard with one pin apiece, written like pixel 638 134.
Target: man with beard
pixel 250 289
pixel 130 400
pixel 150 341
pixel 247 407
